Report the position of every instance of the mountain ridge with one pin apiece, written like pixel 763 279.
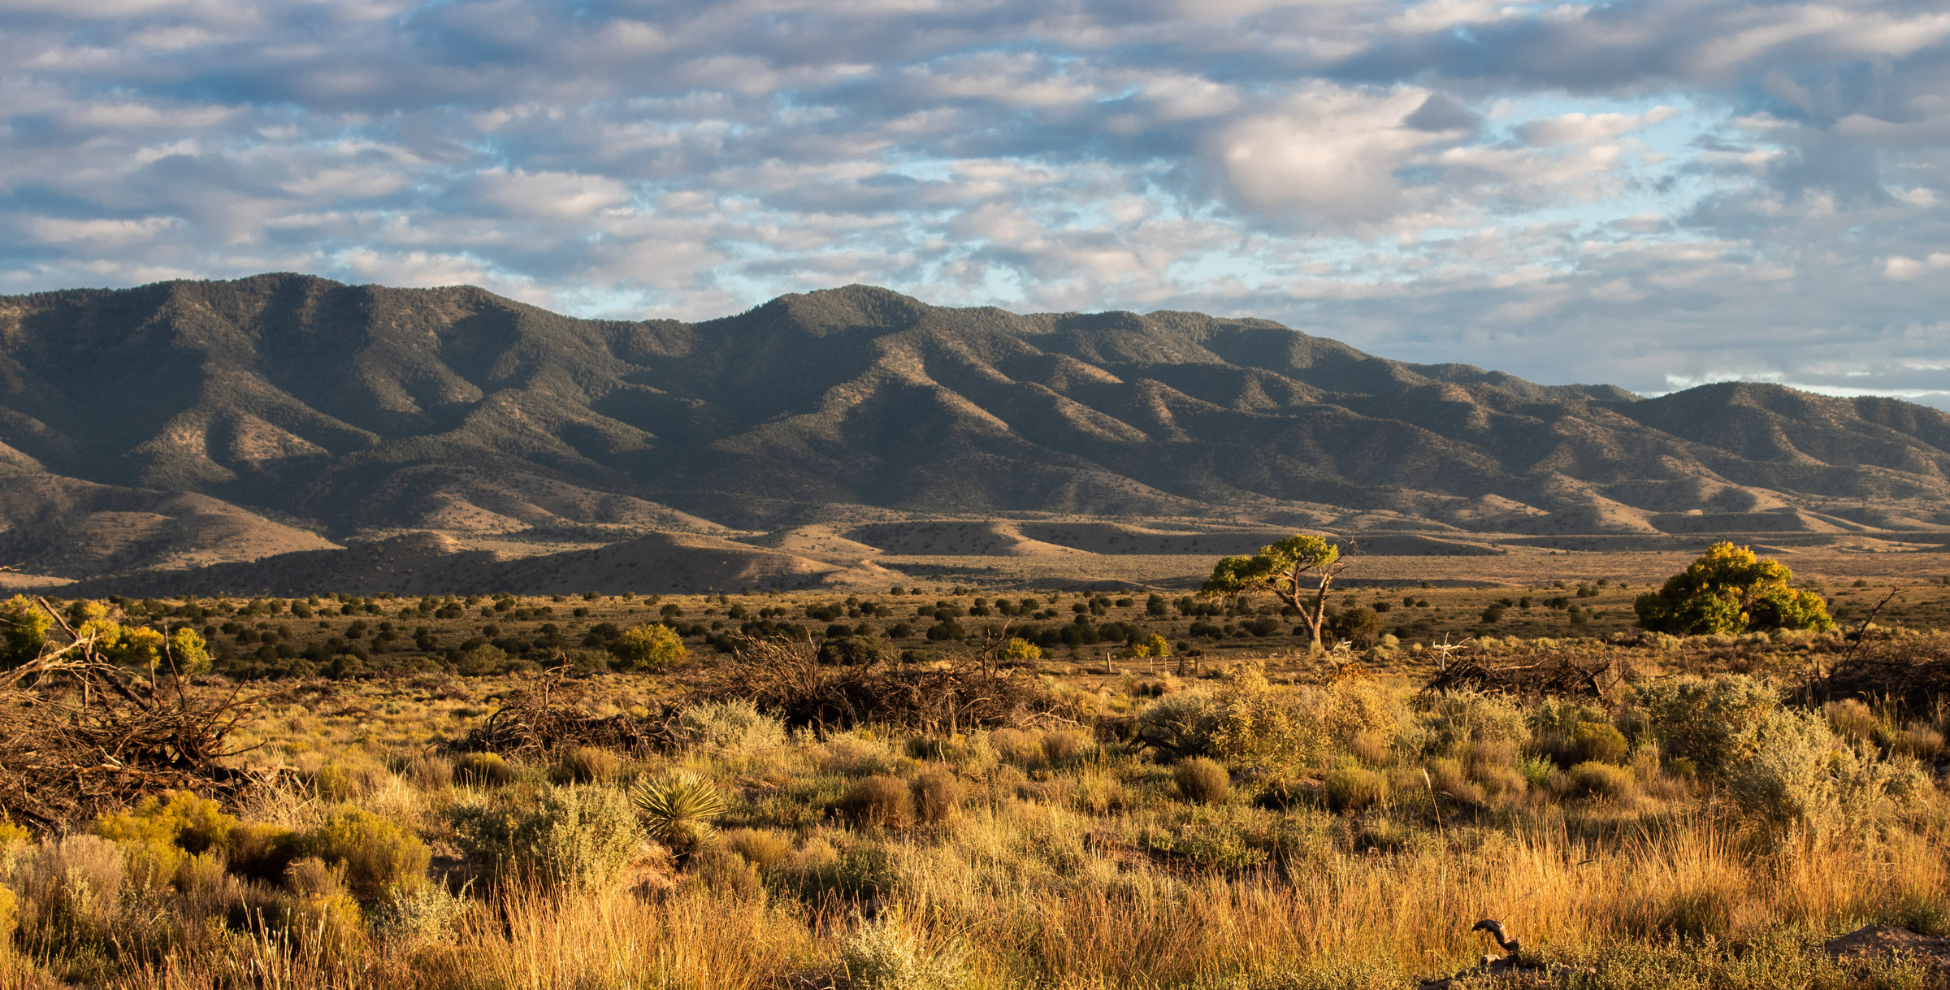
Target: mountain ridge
pixel 338 411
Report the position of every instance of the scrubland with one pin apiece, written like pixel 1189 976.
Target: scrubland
pixel 1327 825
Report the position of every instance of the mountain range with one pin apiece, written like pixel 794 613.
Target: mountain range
pixel 193 423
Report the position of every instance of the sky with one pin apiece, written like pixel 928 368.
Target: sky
pixel 1651 193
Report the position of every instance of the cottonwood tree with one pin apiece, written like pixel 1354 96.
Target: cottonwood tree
pixel 1298 570
pixel 1730 589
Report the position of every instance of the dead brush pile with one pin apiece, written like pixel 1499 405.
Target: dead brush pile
pixel 549 716
pixel 1913 671
pixel 79 736
pixel 784 678
pixel 1562 673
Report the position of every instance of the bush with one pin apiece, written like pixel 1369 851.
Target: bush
pixel 377 855
pixel 879 956
pixel 576 838
pixel 937 795
pixel 23 630
pixel 587 765
pixel 1355 789
pixel 648 648
pixel 761 849
pixel 483 770
pixel 1731 590
pixel 1711 723
pixel 1202 781
pixel 879 801
pixel 261 851
pixel 734 725
pixel 1603 780
pixel 1018 650
pixel 679 807
pixel 1597 742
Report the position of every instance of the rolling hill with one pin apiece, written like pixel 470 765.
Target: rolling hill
pixel 199 423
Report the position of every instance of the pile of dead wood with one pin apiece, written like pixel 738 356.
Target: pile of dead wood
pixel 80 735
pixel 784 678
pixel 1562 674
pixel 548 716
pixel 1913 671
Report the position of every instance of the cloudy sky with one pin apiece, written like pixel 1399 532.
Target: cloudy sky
pixel 1648 192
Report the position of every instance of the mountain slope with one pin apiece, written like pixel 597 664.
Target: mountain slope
pixel 366 409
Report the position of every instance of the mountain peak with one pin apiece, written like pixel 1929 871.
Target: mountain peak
pixel 354 410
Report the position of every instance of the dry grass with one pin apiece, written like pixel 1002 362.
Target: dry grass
pixel 1361 834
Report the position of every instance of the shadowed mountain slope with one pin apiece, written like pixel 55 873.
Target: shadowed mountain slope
pixel 360 409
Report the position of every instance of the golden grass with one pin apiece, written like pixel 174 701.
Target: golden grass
pixel 1056 871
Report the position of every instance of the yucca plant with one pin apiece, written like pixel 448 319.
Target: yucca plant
pixel 678 807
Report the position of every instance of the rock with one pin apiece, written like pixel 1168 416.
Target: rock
pixel 1876 941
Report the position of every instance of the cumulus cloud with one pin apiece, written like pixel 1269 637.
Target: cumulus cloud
pixel 1620 192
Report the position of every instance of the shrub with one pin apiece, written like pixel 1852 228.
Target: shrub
pixel 376 854
pixel 1202 781
pixel 880 801
pixel 1730 590
pixel 336 781
pixel 1603 780
pixel 649 648
pixel 1851 719
pixel 879 956
pixel 1794 771
pixel 482 660
pixel 587 765
pixel 1018 650
pixel 160 833
pixel 483 770
pixel 418 915
pixel 578 838
pixel 1598 742
pixel 1355 789
pixel 23 630
pixel 261 851
pixel 761 849
pixel 734 725
pixel 679 807
pixel 937 795
pixel 1711 723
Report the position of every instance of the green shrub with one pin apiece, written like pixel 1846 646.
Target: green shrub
pixel 1713 723
pixel 734 725
pixel 377 855
pixel 483 770
pixel 679 807
pixel 1202 781
pixel 648 648
pixel 879 801
pixel 572 838
pixel 1355 789
pixel 1731 590
pixel 161 833
pixel 1599 742
pixel 880 956
pixel 23 630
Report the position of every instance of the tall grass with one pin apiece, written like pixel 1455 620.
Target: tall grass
pixel 1040 858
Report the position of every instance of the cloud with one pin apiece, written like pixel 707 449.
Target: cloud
pixel 1571 192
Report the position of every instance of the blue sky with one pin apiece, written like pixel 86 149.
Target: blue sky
pixel 1654 193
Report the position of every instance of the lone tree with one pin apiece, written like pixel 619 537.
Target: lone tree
pixel 1730 590
pixel 1284 568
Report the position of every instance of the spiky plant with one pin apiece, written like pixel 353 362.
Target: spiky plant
pixel 678 807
